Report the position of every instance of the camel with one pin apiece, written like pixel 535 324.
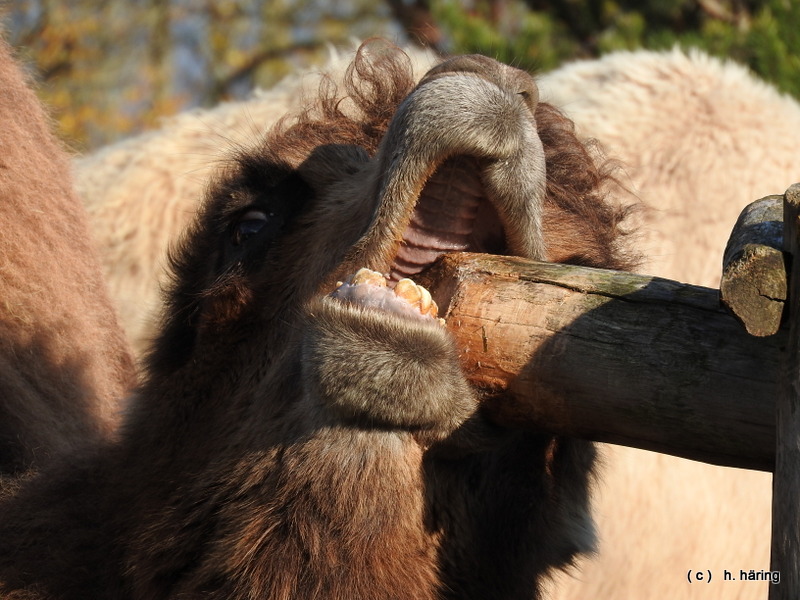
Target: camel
pixel 64 359
pixel 699 139
pixel 302 427
pixel 651 111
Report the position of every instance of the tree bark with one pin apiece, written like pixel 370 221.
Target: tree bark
pixel 612 357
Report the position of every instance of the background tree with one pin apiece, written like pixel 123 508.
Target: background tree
pixel 763 34
pixel 111 68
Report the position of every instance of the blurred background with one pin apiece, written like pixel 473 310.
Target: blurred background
pixel 111 68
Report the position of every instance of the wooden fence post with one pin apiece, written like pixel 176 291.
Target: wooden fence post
pixel 753 284
pixel 786 480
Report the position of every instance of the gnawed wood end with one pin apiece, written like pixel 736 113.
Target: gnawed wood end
pixel 753 284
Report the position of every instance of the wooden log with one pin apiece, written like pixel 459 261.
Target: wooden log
pixel 611 356
pixel 753 284
pixel 786 482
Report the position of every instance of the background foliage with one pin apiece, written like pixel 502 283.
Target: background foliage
pixel 110 68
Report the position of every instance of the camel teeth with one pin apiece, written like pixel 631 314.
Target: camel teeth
pixel 425 300
pixel 408 291
pixel 413 296
pixel 417 296
pixel 364 275
pixel 434 310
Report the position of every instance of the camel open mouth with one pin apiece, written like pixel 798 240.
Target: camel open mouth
pixel 452 214
pixel 461 168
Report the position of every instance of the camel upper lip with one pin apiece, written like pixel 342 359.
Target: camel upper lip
pixel 461 168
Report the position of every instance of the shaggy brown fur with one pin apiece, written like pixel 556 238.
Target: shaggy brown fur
pixel 64 363
pixel 288 444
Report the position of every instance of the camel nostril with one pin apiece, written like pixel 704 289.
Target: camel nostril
pixel 526 97
pixel 529 92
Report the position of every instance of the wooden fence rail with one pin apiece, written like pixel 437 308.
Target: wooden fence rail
pixel 612 357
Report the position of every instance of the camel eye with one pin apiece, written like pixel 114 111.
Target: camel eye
pixel 251 223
